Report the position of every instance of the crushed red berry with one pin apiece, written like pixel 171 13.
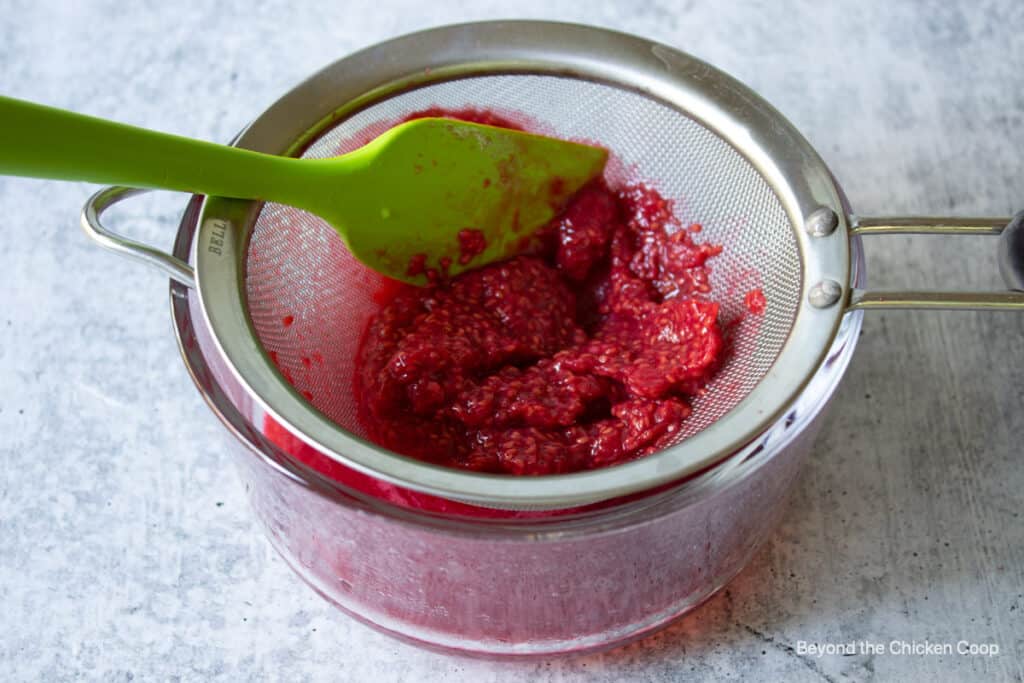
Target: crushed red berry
pixel 582 354
pixel 582 231
pixel 417 265
pixel 471 244
pixel 755 301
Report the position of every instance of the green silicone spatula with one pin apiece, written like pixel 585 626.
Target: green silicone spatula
pixel 401 202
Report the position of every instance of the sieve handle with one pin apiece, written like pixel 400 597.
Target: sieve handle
pixel 177 269
pixel 1011 264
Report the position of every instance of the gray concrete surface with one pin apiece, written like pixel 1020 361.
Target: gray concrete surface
pixel 127 551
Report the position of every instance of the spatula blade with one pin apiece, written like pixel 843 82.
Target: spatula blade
pixel 443 195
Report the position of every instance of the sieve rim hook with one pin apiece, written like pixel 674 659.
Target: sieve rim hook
pixel 175 268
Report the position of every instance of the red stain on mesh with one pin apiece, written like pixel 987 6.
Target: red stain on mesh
pixel 470 114
pixel 288 320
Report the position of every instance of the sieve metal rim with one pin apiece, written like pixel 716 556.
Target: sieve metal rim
pixel 787 162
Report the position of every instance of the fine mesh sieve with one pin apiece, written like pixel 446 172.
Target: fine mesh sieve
pixel 285 302
pixel 298 271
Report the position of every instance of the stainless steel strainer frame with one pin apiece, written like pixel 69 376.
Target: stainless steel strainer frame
pixel 795 173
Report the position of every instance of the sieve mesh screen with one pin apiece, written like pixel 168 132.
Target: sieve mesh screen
pixel 309 300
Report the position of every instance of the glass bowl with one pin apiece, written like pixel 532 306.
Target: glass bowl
pixel 508 585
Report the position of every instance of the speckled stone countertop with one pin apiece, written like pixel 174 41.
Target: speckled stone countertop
pixel 127 551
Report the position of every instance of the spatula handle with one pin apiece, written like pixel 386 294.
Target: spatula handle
pixel 44 142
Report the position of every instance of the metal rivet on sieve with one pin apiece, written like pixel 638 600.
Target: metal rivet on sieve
pixel 821 222
pixel 824 294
